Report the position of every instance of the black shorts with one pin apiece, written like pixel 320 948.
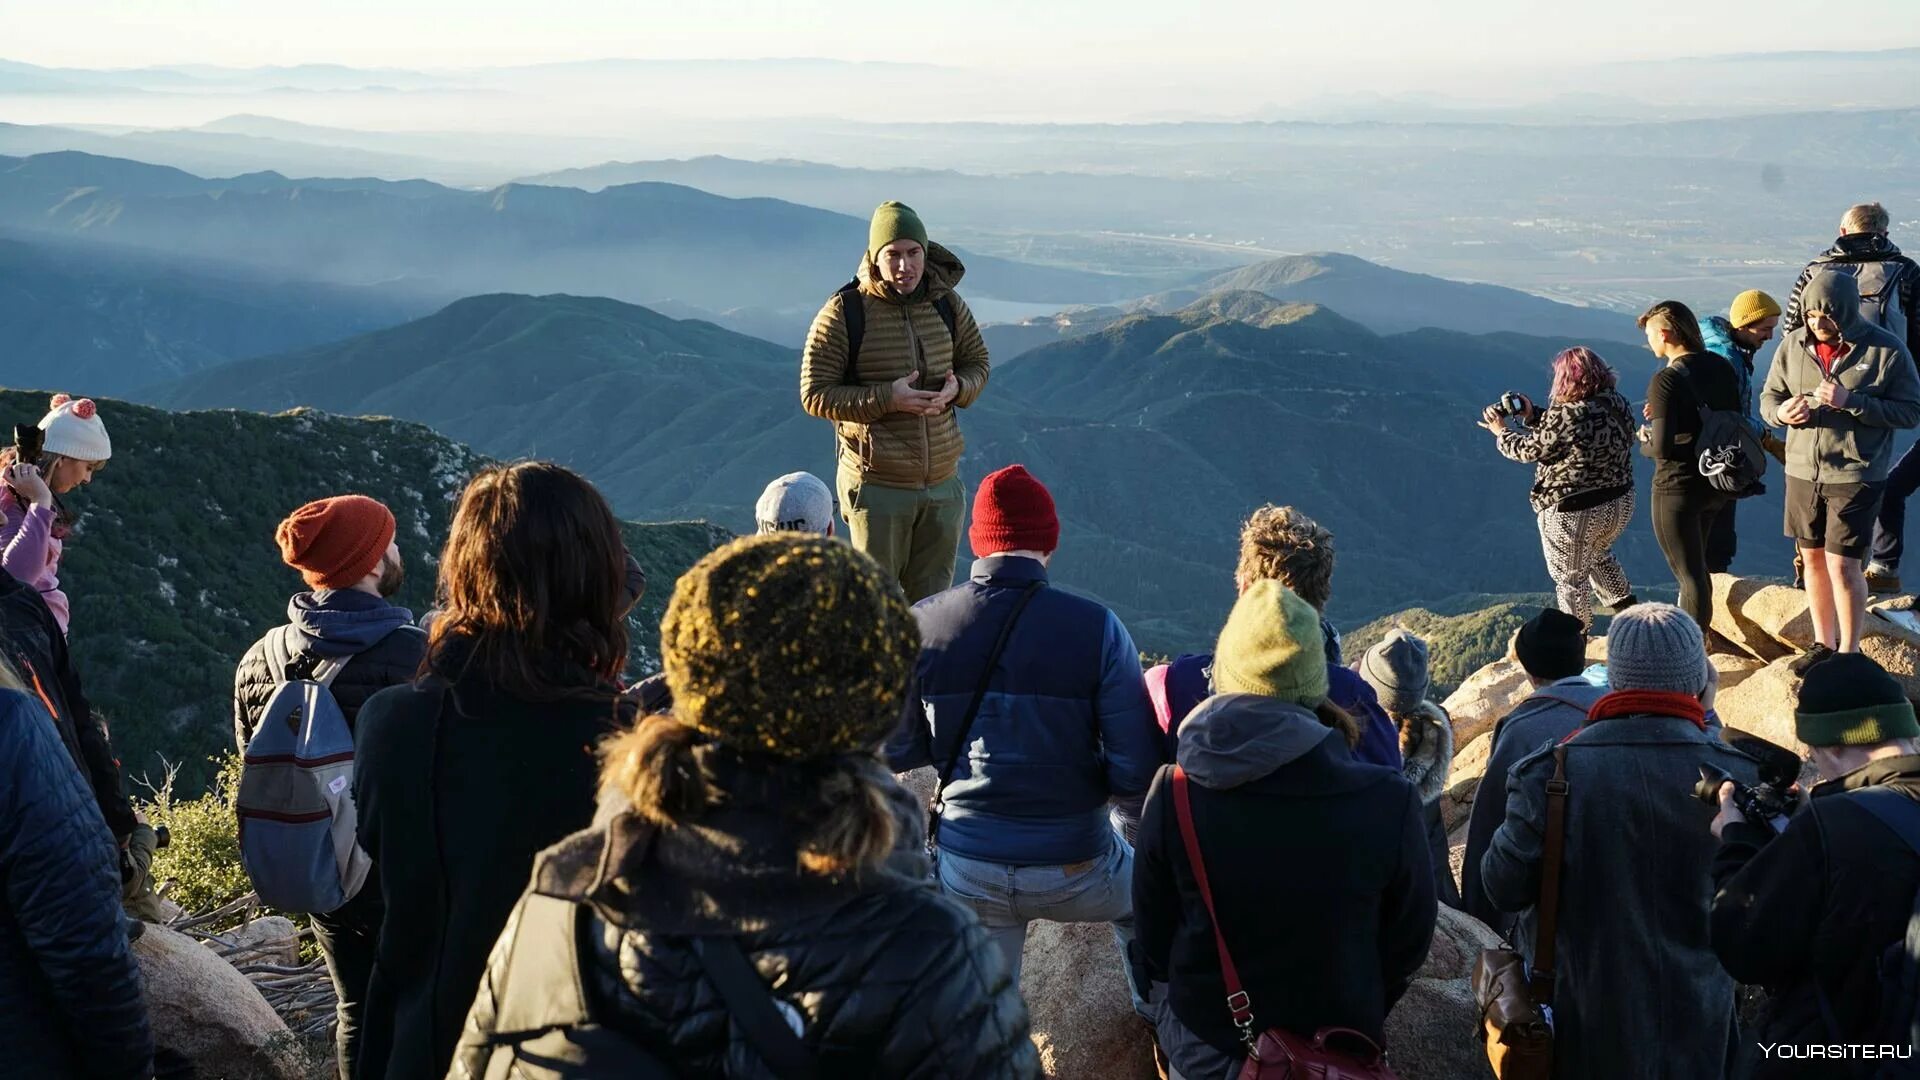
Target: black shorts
pixel 1836 517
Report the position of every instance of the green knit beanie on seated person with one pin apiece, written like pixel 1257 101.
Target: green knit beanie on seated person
pixel 894 221
pixel 1849 700
pixel 791 645
pixel 1272 646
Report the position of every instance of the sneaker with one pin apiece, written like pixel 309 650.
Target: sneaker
pixel 1882 579
pixel 1805 662
pixel 1615 607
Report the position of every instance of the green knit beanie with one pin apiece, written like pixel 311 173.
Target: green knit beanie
pixel 1851 701
pixel 894 221
pixel 1272 646
pixel 790 645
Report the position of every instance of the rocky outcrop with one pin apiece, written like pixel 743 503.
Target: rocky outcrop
pixel 1430 1032
pixel 1485 697
pixel 1083 1018
pixel 204 1009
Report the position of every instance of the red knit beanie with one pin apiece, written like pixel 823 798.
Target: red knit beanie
pixel 336 542
pixel 1013 512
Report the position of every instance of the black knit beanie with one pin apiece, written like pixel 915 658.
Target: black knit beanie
pixel 1552 646
pixel 1848 700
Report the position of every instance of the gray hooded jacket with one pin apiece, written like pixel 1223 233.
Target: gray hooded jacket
pixel 1850 445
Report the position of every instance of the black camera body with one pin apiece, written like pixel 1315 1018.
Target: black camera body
pixel 1511 403
pixel 1772 797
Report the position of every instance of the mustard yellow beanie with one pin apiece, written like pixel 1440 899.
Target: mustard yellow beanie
pixel 1750 307
pixel 790 645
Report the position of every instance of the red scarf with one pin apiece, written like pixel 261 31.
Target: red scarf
pixel 1646 703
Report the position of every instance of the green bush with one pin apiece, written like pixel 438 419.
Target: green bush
pixel 203 858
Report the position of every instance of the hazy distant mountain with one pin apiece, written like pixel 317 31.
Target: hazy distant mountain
pixel 209 152
pixel 1158 434
pixel 98 321
pixel 639 241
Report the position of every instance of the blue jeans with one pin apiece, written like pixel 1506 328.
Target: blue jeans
pixel 1890 531
pixel 1007 898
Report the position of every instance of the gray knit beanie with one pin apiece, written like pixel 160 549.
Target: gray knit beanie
pixel 1656 647
pixel 1396 668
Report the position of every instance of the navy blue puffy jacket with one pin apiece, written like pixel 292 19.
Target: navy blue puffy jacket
pixel 70 992
pixel 1065 725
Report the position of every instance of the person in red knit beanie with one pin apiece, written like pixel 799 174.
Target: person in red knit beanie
pixel 1013 512
pixel 337 542
pixel 1026 768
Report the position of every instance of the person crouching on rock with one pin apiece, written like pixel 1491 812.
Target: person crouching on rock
pixel 754 857
pixel 1317 863
pixel 1581 447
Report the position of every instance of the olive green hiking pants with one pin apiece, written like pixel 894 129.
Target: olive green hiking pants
pixel 914 533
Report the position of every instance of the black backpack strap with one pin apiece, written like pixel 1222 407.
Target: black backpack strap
pixel 853 315
pixel 944 306
pixel 751 1003
pixel 973 709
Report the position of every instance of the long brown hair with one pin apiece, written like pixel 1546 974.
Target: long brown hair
pixel 530 585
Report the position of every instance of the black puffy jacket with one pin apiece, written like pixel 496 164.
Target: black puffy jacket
pixel 385 650
pixel 37 650
pixel 70 993
pixel 888 977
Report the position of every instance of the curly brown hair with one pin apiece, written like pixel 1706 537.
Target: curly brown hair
pixel 1283 544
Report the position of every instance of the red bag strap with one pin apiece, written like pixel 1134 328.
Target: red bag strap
pixel 1237 1001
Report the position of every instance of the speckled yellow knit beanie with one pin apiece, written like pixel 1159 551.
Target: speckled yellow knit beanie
pixel 789 645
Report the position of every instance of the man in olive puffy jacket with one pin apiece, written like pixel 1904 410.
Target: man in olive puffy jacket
pixel 891 395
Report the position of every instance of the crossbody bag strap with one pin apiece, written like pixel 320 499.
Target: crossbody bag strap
pixel 1237 1001
pixel 1540 983
pixel 751 1004
pixel 973 709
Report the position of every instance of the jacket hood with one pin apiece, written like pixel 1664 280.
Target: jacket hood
pixel 942 276
pixel 1864 247
pixel 343 622
pixel 1838 295
pixel 1426 749
pixel 1234 739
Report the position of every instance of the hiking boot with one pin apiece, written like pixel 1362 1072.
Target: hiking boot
pixel 1615 607
pixel 1882 580
pixel 1805 662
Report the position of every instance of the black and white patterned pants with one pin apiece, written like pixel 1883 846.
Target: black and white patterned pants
pixel 1579 549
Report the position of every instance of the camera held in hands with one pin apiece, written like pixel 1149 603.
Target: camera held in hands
pixel 1773 799
pixel 1513 403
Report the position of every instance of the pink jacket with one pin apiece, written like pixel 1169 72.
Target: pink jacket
pixel 31 552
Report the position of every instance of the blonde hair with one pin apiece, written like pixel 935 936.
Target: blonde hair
pixel 1866 217
pixel 846 821
pixel 1285 545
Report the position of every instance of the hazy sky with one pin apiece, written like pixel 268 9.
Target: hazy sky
pixel 1036 34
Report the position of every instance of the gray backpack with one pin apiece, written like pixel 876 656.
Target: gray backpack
pixel 1880 294
pixel 295 803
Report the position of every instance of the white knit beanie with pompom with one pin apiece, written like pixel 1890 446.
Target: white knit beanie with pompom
pixel 74 430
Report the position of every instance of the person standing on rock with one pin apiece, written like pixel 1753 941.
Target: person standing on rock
pixel 1638 992
pixel 1685 503
pixel 71 996
pixel 1035 716
pixel 889 359
pixel 1809 912
pixel 1889 286
pixel 1842 386
pixel 1551 648
pixel 34 526
pixel 1279 543
pixel 1397 670
pixel 463 776
pixel 1317 866
pixel 344 549
pixel 1736 336
pixel 1581 447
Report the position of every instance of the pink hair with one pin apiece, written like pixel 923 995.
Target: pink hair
pixel 1579 373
